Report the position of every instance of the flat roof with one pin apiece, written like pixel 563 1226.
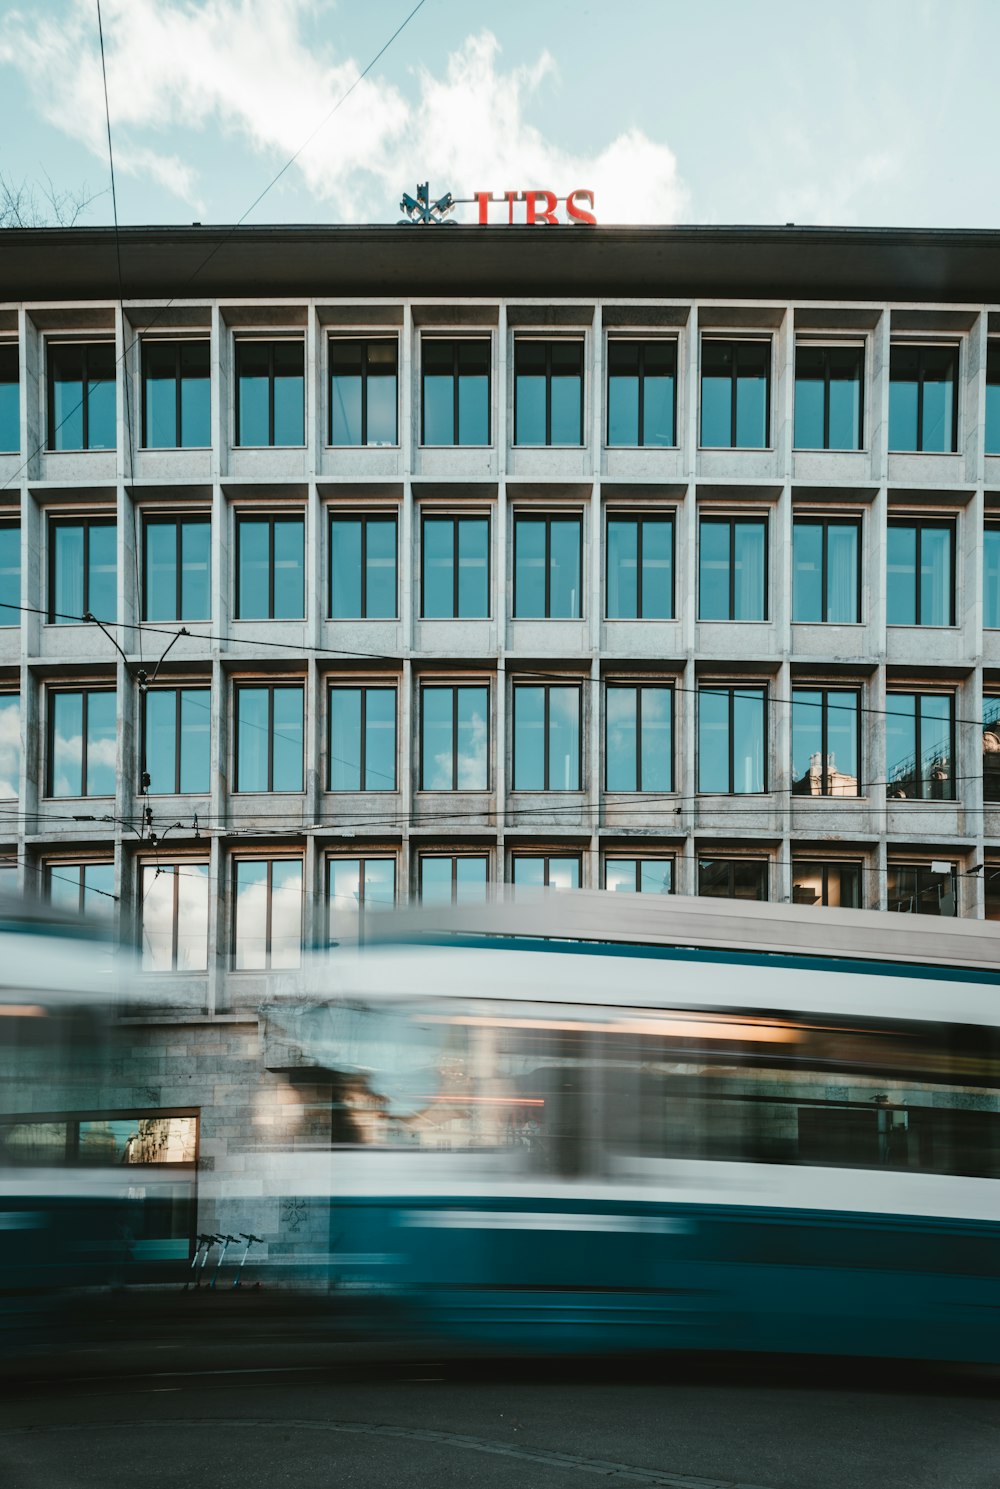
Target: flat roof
pixel 783 263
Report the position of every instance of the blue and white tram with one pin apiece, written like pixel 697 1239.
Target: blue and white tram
pixel 597 1122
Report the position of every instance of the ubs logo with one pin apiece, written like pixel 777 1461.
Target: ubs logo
pixel 510 208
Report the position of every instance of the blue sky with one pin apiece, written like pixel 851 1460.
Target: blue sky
pixel 720 111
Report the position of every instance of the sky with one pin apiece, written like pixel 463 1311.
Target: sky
pixel 865 112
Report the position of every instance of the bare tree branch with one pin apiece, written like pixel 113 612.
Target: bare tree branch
pixel 31 204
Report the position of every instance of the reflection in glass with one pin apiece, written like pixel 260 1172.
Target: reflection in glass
pixel 922 403
pixel 828 397
pixel 447 879
pixel 363 568
pixel 177 568
pixel 639 875
pixel 178 739
pixel 83 743
pixel 455 568
pixel 919 731
pixel 10 744
pixel 991 576
pixel 550 872
pixel 548 392
pixel 357 885
pixel 638 751
pixel 735 393
pixel 825 742
pixel 82 888
pixel 267 928
pixel 731 740
pixel 641 382
pixel 176 388
pixel 81 395
pixel 456 391
pixel 175 917
pixel 84 570
pixel 547 567
pixel 454 753
pixel 732 572
pixel 991 748
pixel 271 568
pixel 836 884
pixel 269 733
pixel 640 581
pixel 10 573
pixel 363 399
pixel 270 396
pixel 914 889
pixel 919 573
pixel 362 739
pixel 733 878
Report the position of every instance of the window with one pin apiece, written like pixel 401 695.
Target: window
pixel 82 888
pixel 454 738
pixel 83 569
pixel 732 568
pixel 732 740
pixel 177 740
pixel 532 871
pixel 363 391
pixel 826 570
pixel 177 568
pixel 174 912
pixel 993 397
pixel 270 392
pixel 83 742
pixel 10 573
pixel 828 400
pixel 732 878
pixel 920 563
pixel 991 749
pixel 356 885
pixel 546 738
pixel 267 914
pixel 362 741
pixel 455 570
pixel 914 889
pixel 10 397
pixel 826 742
pixel 991 576
pixel 548 392
pixel 735 393
pixel 922 402
pixel 269 725
pixel 639 875
pixel 642 378
pixel 363 567
pixel 640 577
pixel 270 565
pixel 456 391
pixel 919 745
pixel 547 567
pixel 821 883
pixel 992 887
pixel 176 395
pixel 453 878
pixel 81 386
pixel 639 730
pixel 10 744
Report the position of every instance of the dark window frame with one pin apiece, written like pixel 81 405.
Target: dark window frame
pixel 824 521
pixel 365 339
pixel 919 524
pixel 453 859
pixel 64 520
pixel 456 518
pixel 363 518
pixel 638 687
pixel 454 688
pixel 13 523
pixel 176 520
pixel 85 381
pixel 546 858
pixel 453 341
pixel 919 694
pixel 263 684
pixel 638 861
pixel 825 347
pixel 737 341
pixel 269 916
pixel 85 690
pixel 7 344
pixel 548 518
pixel 826 692
pixel 548 343
pixel 364 688
pixel 173 868
pixel 53 865
pixel 248 514
pixel 616 514
pixel 178 343
pixel 732 689
pixel 910 865
pixel 731 860
pixel 920 347
pixel 825 868
pixel 642 342
pixel 176 689
pixel 720 519
pixel 270 342
pixel 991 524
pixel 546 731
pixel 991 787
pixel 361 859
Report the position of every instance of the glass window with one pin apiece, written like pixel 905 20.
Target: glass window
pixel 826 570
pixel 81 387
pixel 915 890
pixel 639 730
pixel 456 391
pixel 177 741
pixel 10 744
pixel 453 878
pixel 362 739
pixel 732 568
pixel 82 888
pixel 269 726
pixel 991 576
pixel 639 875
pixel 454 738
pixel 10 397
pixel 546 738
pixel 733 878
pixel 174 911
pixel 993 397
pixel 548 392
pixel 270 566
pixel 455 568
pixel 363 398
pixel 640 558
pixel 176 395
pixel 363 567
pixel 922 402
pixel 991 748
pixel 177 568
pixel 735 393
pixel 826 742
pixel 920 577
pixel 992 887
pixel 270 392
pixel 919 745
pixel 83 569
pixel 267 914
pixel 356 885
pixel 533 871
pixel 10 573
pixel 83 742
pixel 547 567
pixel 820 883
pixel 828 382
pixel 642 378
pixel 732 740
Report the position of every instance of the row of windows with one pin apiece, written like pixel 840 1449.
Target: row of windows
pixel 454 749
pixel 266 931
pixel 547 569
pixel 455 393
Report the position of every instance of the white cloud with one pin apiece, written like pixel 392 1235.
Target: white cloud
pixel 248 69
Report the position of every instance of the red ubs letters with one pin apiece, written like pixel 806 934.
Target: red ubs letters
pixel 540 207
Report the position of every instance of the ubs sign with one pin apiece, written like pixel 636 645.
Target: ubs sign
pixel 508 208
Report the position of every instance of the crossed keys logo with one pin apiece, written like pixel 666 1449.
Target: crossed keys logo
pixel 422 212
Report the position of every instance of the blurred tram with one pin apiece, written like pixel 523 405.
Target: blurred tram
pixel 603 1122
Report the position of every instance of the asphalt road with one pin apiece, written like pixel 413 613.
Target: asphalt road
pixel 686 1424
